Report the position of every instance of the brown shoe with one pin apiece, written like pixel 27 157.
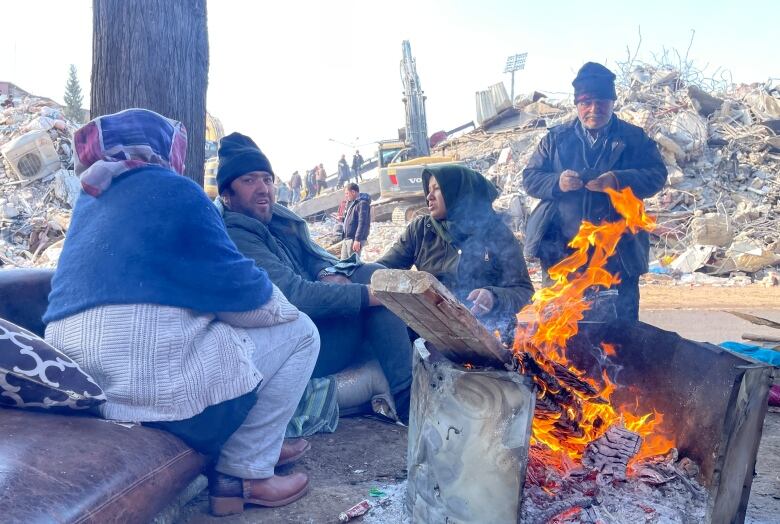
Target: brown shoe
pixel 227 494
pixel 292 450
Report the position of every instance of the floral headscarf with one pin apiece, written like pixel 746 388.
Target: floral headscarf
pixel 111 145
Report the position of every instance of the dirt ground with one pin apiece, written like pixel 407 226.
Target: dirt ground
pixel 683 296
pixel 365 453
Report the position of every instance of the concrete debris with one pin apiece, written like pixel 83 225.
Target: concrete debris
pixel 38 188
pixel 721 147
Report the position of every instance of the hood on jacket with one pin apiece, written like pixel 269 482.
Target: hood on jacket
pixel 465 191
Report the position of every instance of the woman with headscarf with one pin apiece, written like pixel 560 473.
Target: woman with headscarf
pixel 182 332
pixel 466 245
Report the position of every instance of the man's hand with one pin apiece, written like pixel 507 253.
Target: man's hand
pixel 356 247
pixel 483 300
pixel 335 279
pixel 569 181
pixel 602 182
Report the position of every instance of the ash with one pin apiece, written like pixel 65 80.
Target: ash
pixel 390 509
pixel 659 489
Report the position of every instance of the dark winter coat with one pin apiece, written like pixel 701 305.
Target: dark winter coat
pixel 357 218
pixel 628 152
pixel 344 173
pixel 493 261
pixel 295 181
pixel 293 261
pixel 481 253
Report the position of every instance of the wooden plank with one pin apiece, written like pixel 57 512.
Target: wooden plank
pixel 420 297
pixel 408 315
pixel 436 315
pixel 760 338
pixel 760 321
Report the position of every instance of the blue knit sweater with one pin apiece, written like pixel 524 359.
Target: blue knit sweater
pixel 152 238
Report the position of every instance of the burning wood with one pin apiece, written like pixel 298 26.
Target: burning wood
pixel 610 453
pixel 573 409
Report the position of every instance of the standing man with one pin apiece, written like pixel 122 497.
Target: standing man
pixel 571 169
pixel 353 324
pixel 295 186
pixel 343 171
pixel 311 184
pixel 357 161
pixel 357 220
pixel 322 179
pixel 283 194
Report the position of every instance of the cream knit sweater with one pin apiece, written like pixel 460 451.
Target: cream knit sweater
pixel 159 363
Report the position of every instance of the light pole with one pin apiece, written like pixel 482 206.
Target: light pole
pixel 515 63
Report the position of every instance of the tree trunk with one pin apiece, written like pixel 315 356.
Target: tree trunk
pixel 153 54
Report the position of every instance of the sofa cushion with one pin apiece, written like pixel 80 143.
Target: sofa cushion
pixel 75 468
pixel 33 374
pixel 24 297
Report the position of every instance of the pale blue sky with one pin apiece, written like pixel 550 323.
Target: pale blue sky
pixel 293 75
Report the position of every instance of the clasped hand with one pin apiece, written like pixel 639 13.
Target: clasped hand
pixel 570 181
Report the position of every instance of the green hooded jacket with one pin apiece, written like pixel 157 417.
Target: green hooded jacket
pixel 471 249
pixel 294 264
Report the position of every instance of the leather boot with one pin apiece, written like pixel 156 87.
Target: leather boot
pixel 228 494
pixel 292 450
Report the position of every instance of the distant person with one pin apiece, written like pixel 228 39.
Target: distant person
pixel 357 162
pixel 283 194
pixel 311 184
pixel 357 220
pixel 466 245
pixel 296 184
pixel 322 179
pixel 344 172
pixel 570 171
pixel 8 102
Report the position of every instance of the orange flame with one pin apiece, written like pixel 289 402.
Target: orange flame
pixel 609 349
pixel 557 310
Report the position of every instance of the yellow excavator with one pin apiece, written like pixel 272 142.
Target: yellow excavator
pixel 402 161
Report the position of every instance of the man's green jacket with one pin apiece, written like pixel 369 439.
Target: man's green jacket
pixel 293 261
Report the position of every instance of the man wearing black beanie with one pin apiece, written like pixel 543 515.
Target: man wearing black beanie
pixel 353 325
pixel 571 169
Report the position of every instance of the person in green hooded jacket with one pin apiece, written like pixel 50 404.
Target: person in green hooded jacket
pixel 466 245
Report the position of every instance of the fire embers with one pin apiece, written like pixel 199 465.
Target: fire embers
pixel 660 489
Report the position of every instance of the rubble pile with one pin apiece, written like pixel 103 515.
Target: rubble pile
pixel 718 214
pixel 35 210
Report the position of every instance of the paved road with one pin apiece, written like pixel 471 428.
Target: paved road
pixel 709 326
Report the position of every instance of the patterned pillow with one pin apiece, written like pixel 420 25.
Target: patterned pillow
pixel 33 374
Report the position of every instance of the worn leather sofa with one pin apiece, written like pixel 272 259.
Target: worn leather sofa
pixel 80 468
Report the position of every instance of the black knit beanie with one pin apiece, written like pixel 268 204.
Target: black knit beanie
pixel 239 155
pixel 594 81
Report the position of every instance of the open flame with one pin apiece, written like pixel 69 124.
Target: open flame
pixel 587 411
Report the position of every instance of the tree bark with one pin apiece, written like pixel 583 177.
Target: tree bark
pixel 153 54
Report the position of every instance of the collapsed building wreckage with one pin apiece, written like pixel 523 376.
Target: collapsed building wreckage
pixel 718 214
pixel 38 188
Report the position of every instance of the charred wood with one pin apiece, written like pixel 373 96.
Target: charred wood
pixel 610 453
